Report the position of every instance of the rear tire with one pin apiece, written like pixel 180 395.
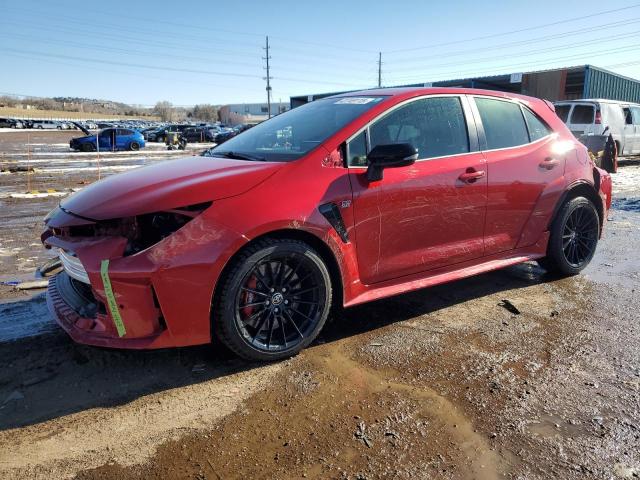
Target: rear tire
pixel 274 300
pixel 573 239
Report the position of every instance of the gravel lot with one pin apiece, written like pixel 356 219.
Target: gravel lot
pixel 441 383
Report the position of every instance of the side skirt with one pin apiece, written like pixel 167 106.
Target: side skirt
pixel 451 273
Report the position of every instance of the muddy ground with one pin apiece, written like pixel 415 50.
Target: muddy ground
pixel 450 382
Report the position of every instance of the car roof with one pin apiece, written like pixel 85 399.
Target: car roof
pixel 409 92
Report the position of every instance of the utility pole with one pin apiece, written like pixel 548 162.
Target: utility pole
pixel 268 78
pixel 379 69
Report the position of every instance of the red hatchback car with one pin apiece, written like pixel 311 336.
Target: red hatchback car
pixel 344 200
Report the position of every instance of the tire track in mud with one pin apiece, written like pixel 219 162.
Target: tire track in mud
pixel 313 420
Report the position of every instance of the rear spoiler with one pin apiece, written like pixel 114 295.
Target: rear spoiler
pixel 550 105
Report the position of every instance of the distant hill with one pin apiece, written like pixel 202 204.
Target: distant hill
pixel 74 104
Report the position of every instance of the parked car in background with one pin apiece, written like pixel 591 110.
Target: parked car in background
pixel 224 135
pixel 178 253
pixel 145 132
pixel 241 128
pixel 160 134
pixel 109 139
pixel 594 117
pixel 47 125
pixel 10 123
pixel 198 134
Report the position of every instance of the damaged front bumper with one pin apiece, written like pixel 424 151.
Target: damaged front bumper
pixel 156 298
pixel 91 310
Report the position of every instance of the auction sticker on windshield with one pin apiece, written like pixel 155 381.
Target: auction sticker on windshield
pixel 357 100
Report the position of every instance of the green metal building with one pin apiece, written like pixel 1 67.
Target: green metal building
pixel 571 83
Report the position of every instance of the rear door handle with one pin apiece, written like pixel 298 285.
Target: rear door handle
pixel 470 176
pixel 549 163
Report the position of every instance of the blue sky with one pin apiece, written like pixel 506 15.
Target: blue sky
pixel 192 52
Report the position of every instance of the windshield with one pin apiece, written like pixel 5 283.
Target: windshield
pixel 292 134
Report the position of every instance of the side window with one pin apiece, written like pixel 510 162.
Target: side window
pixel 357 151
pixel 435 126
pixel 582 114
pixel 627 115
pixel 537 128
pixel 503 123
pixel 563 112
pixel 635 113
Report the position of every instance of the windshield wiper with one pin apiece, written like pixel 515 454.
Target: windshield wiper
pixel 239 156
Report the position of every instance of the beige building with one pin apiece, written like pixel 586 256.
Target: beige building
pixel 249 113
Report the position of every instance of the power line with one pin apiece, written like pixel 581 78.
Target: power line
pixel 526 65
pixel 167 68
pixel 526 52
pixel 198 27
pixel 503 46
pixel 181 46
pixel 520 30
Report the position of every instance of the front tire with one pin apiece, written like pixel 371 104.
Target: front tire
pixel 134 146
pixel 88 147
pixel 573 239
pixel 273 301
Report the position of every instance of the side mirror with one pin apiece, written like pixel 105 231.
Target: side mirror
pixel 389 156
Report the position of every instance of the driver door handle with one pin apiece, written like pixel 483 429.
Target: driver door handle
pixel 470 176
pixel 549 163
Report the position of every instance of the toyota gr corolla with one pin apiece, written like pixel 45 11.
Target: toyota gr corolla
pixel 341 201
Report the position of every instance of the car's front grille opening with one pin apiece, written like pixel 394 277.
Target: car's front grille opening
pixel 79 296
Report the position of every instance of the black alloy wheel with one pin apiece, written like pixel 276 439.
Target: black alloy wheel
pixel 580 236
pixel 275 300
pixel 573 237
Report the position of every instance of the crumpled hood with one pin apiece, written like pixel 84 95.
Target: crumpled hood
pixel 167 185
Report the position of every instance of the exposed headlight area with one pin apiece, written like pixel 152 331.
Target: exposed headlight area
pixel 141 231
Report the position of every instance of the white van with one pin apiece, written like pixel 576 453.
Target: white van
pixel 585 117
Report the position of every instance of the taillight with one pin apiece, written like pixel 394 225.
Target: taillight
pixel 598 117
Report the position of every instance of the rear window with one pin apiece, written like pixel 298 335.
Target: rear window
pixel 563 112
pixel 503 123
pixel 582 114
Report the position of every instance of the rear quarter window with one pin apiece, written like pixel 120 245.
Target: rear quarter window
pixel 536 126
pixel 503 123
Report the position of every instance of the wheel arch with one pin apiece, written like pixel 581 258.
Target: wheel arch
pixel 321 247
pixel 582 189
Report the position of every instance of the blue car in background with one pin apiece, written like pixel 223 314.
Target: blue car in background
pixel 109 139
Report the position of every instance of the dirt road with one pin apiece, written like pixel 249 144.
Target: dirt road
pixel 511 374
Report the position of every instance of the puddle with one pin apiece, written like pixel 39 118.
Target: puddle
pixel 626 204
pixel 549 426
pixel 25 318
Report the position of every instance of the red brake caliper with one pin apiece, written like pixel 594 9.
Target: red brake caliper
pixel 249 297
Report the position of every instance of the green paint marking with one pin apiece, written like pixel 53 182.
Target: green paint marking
pixel 111 299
